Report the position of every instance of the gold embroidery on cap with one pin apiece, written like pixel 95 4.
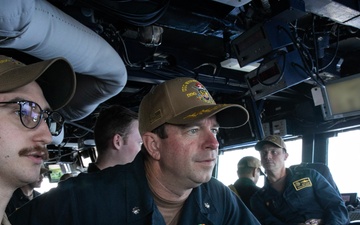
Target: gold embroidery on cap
pixel 191 94
pixel 4 61
pixel 200 92
pixel 195 114
pixel 185 85
pixel 302 183
pixel 271 138
pixel 11 60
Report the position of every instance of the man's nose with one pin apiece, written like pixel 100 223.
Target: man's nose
pixel 211 140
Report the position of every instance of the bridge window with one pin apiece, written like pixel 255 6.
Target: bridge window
pixel 343 160
pixel 227 164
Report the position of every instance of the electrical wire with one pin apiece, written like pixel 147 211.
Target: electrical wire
pixel 305 68
pixel 208 64
pixel 336 51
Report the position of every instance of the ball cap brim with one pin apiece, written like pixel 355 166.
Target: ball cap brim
pixel 55 77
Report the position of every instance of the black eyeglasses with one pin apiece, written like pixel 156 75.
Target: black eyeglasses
pixel 31 114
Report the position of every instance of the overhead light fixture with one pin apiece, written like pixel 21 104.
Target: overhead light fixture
pixel 233 64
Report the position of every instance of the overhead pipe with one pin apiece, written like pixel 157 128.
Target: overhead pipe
pixel 38 28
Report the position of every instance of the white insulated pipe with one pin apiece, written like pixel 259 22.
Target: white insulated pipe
pixel 38 28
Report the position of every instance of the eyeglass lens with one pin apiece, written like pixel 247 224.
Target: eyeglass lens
pixel 55 122
pixel 31 115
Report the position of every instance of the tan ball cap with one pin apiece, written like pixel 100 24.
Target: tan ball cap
pixel 183 101
pixel 55 77
pixel 271 139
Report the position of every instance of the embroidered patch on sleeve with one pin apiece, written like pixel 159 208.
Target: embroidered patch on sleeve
pixel 302 183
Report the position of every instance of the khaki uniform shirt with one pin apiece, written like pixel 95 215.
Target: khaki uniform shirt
pixel 5 220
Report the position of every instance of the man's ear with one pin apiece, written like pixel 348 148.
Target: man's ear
pixel 286 155
pixel 254 171
pixel 152 144
pixel 117 141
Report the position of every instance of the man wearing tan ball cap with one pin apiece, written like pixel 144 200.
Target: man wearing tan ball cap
pixel 27 94
pixel 170 180
pixel 179 121
pixel 184 100
pixel 291 195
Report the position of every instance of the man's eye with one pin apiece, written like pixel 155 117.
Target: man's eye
pixel 193 131
pixel 18 113
pixel 23 113
pixel 28 116
pixel 215 131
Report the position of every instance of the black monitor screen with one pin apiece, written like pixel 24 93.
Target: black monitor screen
pixel 350 199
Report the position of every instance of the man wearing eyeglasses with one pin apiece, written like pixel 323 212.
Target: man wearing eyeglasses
pixel 29 96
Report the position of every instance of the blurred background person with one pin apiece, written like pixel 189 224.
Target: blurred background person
pixel 249 172
pixel 117 137
pixel 65 176
pixel 25 193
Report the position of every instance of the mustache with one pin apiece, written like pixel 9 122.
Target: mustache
pixel 37 151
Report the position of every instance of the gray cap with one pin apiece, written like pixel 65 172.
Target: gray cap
pixel 249 161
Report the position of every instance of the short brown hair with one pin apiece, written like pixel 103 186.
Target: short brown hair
pixel 113 120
